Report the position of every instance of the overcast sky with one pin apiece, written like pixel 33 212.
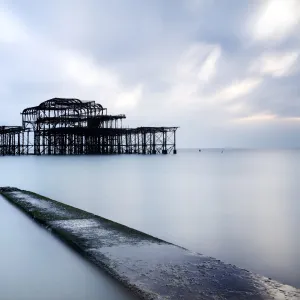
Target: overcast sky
pixel 226 71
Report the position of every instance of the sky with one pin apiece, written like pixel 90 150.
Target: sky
pixel 225 71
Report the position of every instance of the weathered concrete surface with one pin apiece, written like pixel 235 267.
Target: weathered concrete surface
pixel 151 268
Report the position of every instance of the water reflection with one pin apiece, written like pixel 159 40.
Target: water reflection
pixel 239 206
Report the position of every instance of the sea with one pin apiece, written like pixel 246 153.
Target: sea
pixel 241 206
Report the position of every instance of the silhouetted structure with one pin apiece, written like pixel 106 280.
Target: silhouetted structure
pixel 71 126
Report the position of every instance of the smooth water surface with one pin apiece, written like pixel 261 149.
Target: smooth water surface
pixel 240 206
pixel 36 266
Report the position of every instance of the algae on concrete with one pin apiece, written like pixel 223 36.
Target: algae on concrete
pixel 150 267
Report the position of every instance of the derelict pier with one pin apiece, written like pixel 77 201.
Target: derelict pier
pixel 62 126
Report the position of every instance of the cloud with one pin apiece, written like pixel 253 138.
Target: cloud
pixel 275 64
pixel 239 88
pixel 194 6
pixel 195 68
pixel 266 117
pixel 85 72
pixel 275 20
pixel 129 99
pixel 276 95
pixel 191 66
pixel 208 68
pixel 41 70
pixel 256 118
pixel 198 62
pixel 11 29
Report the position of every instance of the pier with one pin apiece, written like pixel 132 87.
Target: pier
pixel 62 126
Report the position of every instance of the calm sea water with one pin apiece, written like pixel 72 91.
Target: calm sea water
pixel 240 206
pixel 36 266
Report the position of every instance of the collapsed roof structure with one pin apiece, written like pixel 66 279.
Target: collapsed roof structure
pixel 61 126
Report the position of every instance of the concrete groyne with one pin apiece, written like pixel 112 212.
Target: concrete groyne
pixel 149 267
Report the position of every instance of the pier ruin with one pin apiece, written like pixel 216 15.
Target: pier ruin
pixel 61 126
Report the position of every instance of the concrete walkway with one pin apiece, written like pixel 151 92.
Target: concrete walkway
pixel 34 265
pixel 149 267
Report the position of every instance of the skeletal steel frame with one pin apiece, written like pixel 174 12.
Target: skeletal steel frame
pixel 61 126
pixel 14 140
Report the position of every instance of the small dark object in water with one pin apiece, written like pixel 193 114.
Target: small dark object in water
pixel 199 150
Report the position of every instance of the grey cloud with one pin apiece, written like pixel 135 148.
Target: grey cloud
pixel 280 96
pixel 142 42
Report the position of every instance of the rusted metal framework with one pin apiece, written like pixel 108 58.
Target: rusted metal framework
pixel 14 140
pixel 62 126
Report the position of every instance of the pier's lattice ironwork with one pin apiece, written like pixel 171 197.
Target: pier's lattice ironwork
pixel 14 140
pixel 71 126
